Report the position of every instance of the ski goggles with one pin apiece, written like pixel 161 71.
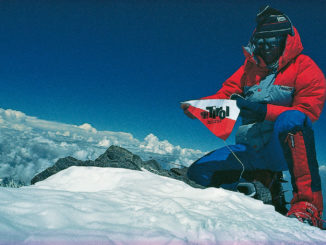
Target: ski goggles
pixel 269 42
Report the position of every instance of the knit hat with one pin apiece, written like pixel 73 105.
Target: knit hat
pixel 272 22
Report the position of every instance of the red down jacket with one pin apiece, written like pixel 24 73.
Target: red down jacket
pixel 295 70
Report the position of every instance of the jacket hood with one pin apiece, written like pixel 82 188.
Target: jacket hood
pixel 293 47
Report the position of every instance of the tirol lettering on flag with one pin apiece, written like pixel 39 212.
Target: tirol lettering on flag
pixel 218 115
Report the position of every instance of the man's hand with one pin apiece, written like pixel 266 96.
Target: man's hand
pixel 184 107
pixel 250 111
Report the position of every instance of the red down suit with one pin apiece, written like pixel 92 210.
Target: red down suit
pixel 295 70
pixel 297 84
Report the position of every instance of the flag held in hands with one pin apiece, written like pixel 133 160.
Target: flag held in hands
pixel 218 115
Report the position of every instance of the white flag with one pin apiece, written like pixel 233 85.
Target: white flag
pixel 218 115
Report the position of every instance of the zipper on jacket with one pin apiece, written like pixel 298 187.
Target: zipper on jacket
pixel 292 140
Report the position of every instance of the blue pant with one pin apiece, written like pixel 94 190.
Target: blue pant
pixel 273 156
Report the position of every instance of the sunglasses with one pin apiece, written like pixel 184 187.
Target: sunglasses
pixel 271 42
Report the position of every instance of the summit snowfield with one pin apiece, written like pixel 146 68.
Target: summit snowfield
pixel 89 205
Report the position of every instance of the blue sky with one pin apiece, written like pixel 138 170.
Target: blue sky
pixel 126 65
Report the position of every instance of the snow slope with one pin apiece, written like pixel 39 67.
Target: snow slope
pixel 88 205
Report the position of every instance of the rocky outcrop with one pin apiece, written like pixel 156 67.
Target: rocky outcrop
pixel 117 157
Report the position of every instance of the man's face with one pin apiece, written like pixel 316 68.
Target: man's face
pixel 270 48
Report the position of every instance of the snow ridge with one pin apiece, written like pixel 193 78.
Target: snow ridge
pixel 90 205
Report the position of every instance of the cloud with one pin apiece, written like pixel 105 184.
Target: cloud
pixel 81 155
pixel 29 145
pixel 168 154
pixel 104 142
pixel 13 115
pixel 88 127
pixel 322 169
pixel 152 144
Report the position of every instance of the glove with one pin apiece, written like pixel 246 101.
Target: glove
pixel 251 112
pixel 184 107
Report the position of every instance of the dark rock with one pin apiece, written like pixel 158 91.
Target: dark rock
pixel 180 171
pixel 61 164
pixel 151 165
pixel 117 157
pixel 175 174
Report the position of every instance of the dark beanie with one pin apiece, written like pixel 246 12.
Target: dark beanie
pixel 272 22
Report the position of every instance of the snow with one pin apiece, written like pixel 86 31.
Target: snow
pixel 89 205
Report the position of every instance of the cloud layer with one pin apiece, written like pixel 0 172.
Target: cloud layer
pixel 29 145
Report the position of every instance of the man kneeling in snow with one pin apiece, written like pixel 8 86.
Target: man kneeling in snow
pixel 279 92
